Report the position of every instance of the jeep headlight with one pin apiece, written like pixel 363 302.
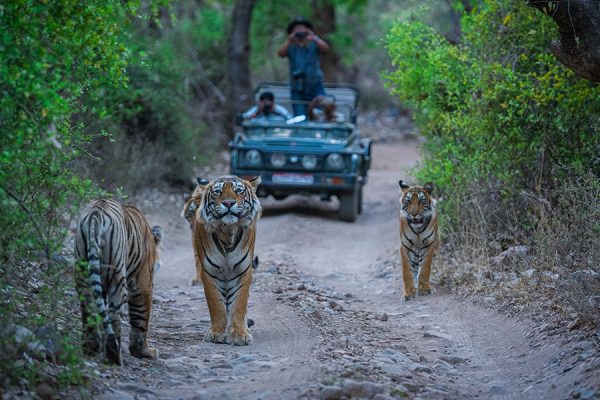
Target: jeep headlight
pixel 253 158
pixel 309 161
pixel 278 160
pixel 335 161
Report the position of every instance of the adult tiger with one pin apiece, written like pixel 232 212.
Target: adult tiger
pixel 117 254
pixel 191 205
pixel 224 232
pixel 418 237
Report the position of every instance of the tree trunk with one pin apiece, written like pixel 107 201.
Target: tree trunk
pixel 324 23
pixel 456 8
pixel 579 29
pixel 238 66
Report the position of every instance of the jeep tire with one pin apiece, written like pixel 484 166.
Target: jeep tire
pixel 349 202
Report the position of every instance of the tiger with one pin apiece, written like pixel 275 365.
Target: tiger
pixel 116 255
pixel 224 232
pixel 191 204
pixel 418 237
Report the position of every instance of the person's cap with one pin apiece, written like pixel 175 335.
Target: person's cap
pixel 267 96
pixel 299 21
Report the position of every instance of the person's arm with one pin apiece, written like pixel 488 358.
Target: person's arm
pixel 281 110
pixel 251 112
pixel 321 44
pixel 283 50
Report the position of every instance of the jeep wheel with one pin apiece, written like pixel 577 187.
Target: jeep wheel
pixel 360 199
pixel 349 205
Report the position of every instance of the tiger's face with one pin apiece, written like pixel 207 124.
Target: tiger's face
pixel 193 201
pixel 231 200
pixel 416 204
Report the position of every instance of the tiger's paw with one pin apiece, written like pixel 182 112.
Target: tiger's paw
pixel 241 337
pixel 196 282
pixel 215 337
pixel 112 351
pixel 409 294
pixel 424 291
pixel 144 352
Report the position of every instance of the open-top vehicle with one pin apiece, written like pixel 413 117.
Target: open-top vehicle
pixel 298 156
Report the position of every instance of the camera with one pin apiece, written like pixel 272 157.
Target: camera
pixel 298 82
pixel 300 35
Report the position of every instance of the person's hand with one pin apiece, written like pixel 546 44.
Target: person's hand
pixel 311 36
pixel 292 37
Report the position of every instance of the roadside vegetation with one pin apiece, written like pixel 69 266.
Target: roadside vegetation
pixel 513 144
pixel 58 61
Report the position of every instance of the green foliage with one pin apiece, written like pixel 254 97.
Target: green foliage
pixel 157 124
pixel 53 54
pixel 58 61
pixel 498 109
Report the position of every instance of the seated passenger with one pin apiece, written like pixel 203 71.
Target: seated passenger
pixel 323 109
pixel 266 108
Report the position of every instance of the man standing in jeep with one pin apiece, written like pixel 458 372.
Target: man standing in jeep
pixel 302 48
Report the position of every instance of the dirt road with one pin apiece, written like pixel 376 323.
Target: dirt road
pixel 330 322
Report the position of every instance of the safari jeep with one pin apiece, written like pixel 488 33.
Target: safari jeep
pixel 298 156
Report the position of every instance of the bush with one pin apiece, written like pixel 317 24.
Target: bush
pixel 58 59
pixel 498 110
pixel 555 269
pixel 160 122
pixel 512 145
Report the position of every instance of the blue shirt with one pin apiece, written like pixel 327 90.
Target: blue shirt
pixel 305 59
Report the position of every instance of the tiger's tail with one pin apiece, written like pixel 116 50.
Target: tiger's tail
pixel 99 333
pixel 93 257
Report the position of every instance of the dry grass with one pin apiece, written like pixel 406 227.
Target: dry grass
pixel 539 254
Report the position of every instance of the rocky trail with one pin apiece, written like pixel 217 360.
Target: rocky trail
pixel 330 321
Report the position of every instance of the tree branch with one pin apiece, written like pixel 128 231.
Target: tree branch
pixel 579 29
pixel 21 203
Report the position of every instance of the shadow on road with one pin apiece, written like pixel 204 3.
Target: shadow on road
pixel 301 205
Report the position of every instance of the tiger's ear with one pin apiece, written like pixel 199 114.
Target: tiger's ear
pixel 202 181
pixel 403 184
pixel 254 182
pixel 157 232
pixel 428 187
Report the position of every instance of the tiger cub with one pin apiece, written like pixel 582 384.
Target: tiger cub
pixel 224 232
pixel 192 202
pixel 191 205
pixel 116 255
pixel 418 237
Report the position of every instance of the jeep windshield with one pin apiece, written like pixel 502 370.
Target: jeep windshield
pixel 320 133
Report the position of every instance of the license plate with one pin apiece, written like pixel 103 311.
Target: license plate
pixel 298 179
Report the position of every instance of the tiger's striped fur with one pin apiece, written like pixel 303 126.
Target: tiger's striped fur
pixel 224 233
pixel 191 205
pixel 116 253
pixel 193 201
pixel 418 237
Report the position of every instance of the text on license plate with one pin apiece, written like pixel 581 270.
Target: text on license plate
pixel 293 178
